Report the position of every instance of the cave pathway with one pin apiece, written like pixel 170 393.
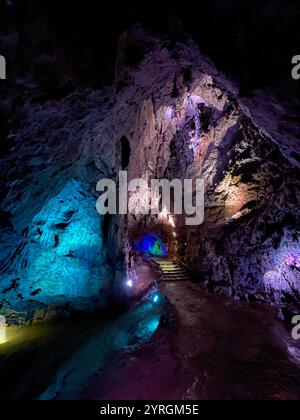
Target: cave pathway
pixel 218 349
pixel 171 271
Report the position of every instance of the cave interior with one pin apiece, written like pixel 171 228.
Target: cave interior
pixel 142 306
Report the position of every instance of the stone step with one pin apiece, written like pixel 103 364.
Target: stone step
pixel 171 272
pixel 172 268
pixel 168 267
pixel 175 280
pixel 175 273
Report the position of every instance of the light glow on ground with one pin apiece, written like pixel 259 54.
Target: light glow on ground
pixel 2 329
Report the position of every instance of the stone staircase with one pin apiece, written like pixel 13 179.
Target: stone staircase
pixel 172 272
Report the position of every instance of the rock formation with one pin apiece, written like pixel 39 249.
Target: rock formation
pixel 169 114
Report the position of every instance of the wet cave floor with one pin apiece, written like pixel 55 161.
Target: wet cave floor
pixel 217 349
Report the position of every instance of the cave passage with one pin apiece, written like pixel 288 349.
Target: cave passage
pixel 184 343
pixel 183 281
pixel 207 356
pixel 152 245
pixel 217 350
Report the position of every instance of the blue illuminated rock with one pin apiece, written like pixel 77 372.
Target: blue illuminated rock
pixel 62 259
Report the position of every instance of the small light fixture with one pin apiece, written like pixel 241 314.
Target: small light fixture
pixel 155 298
pixel 129 283
pixel 171 221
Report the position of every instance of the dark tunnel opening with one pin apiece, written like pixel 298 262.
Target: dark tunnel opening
pixel 125 153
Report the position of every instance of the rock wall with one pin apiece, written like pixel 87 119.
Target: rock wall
pixel 182 119
pixel 187 121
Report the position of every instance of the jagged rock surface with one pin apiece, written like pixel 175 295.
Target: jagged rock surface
pixel 183 119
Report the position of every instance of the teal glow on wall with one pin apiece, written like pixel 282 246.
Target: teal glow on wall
pixel 65 247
